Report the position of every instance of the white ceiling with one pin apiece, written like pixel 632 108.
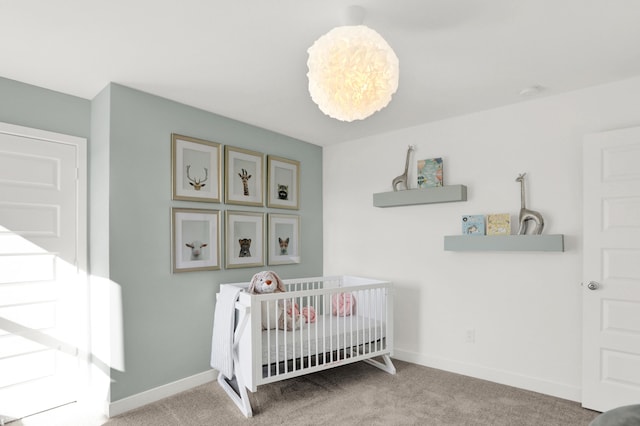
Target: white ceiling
pixel 246 59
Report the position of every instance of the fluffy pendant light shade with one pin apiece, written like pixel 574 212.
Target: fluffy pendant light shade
pixel 353 72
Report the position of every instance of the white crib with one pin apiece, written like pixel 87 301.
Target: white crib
pixel 267 355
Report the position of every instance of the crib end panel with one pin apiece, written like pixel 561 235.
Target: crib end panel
pixel 249 342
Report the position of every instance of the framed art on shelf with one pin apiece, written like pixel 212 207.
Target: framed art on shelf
pixel 195 168
pixel 245 239
pixel 430 173
pixel 244 183
pixel 499 224
pixel 195 239
pixel 473 224
pixel 284 239
pixel 284 183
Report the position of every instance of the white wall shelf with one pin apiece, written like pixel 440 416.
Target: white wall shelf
pixel 439 194
pixel 504 242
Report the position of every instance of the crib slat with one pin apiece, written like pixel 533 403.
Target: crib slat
pixel 375 315
pixel 269 337
pixel 277 360
pixel 369 340
pixel 309 358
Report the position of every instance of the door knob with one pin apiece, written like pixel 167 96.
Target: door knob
pixel 593 285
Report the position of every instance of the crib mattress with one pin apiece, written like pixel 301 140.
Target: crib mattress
pixel 329 333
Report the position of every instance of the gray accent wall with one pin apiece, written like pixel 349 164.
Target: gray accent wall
pixel 166 318
pixel 38 108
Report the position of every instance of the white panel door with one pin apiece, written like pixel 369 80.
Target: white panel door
pixel 42 257
pixel 611 270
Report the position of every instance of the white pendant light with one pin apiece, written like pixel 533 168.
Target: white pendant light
pixel 353 72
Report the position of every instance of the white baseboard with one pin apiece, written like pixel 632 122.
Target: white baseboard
pixel 559 390
pixel 152 395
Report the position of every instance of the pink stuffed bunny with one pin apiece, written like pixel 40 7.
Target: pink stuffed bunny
pixel 288 315
pixel 282 317
pixel 266 282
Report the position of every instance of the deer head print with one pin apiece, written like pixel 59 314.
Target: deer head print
pixel 197 183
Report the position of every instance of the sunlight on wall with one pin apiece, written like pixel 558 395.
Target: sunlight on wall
pixel 105 303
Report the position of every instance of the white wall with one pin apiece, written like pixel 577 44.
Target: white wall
pixel 525 307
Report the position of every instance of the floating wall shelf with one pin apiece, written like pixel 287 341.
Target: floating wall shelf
pixel 504 242
pixel 439 194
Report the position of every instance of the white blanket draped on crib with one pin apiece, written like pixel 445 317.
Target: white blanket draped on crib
pixel 223 327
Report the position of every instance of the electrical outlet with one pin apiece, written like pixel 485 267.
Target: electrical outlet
pixel 471 336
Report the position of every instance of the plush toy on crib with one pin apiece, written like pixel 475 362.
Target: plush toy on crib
pixel 287 315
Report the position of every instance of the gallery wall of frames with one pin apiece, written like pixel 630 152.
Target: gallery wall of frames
pixel 243 234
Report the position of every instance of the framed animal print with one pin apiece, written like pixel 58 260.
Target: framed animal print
pixel 244 182
pixel 245 239
pixel 195 239
pixel 195 169
pixel 284 239
pixel 283 183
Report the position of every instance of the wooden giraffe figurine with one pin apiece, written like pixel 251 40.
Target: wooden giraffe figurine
pixel 526 214
pixel 245 176
pixel 403 179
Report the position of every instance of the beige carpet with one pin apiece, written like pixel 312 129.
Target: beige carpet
pixel 361 394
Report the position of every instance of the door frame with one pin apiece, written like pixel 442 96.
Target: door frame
pixel 598 392
pixel 81 263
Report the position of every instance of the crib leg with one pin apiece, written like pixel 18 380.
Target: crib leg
pixel 387 366
pixel 240 398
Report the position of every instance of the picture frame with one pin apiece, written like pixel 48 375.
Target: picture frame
pixel 284 239
pixel 430 173
pixel 196 169
pixel 283 183
pixel 244 177
pixel 195 239
pixel 498 224
pixel 473 224
pixel 244 245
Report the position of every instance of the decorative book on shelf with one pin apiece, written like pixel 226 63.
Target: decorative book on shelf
pixel 430 173
pixel 499 224
pixel 473 224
